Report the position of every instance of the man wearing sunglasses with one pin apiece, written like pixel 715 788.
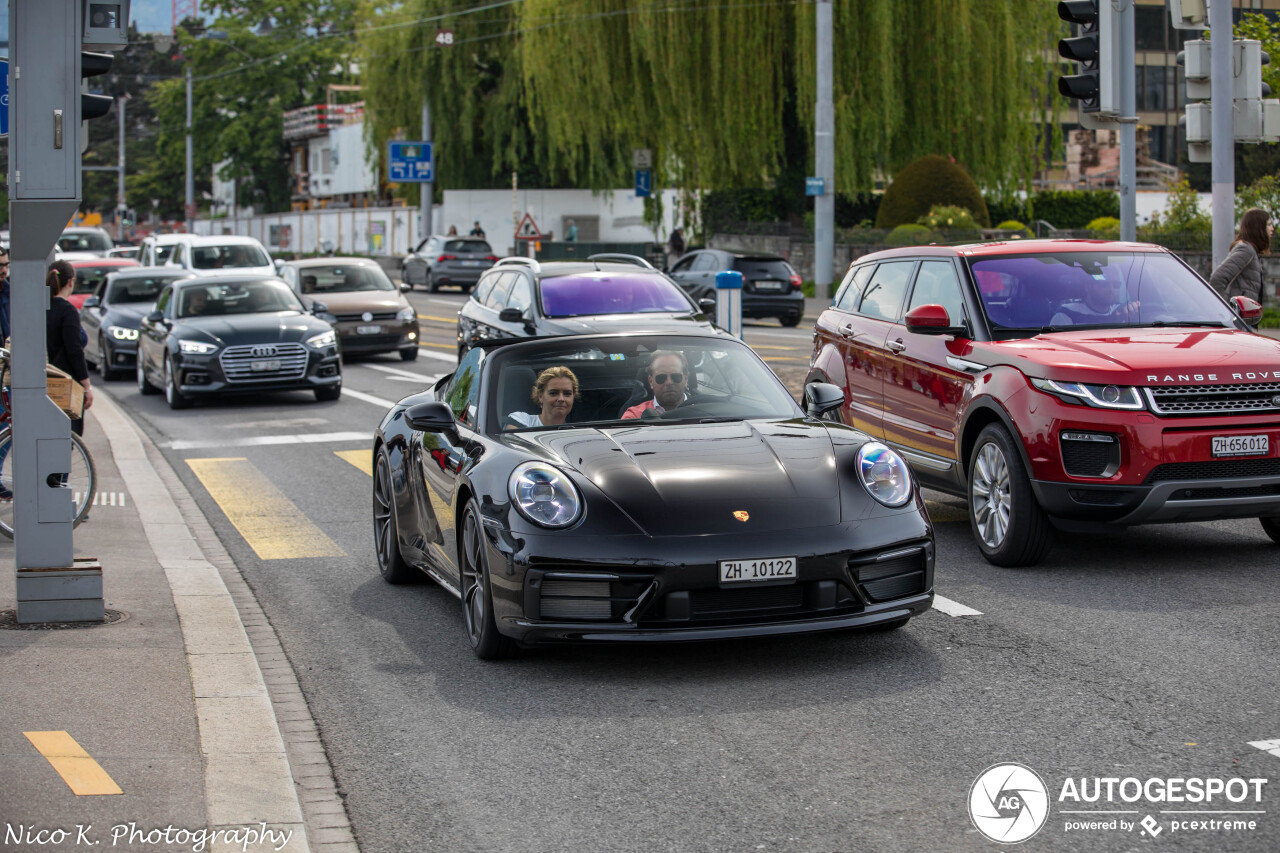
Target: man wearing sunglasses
pixel 668 379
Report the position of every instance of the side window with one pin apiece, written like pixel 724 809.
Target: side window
pixel 482 291
pixel 290 275
pixel 937 284
pixel 884 293
pixel 463 392
pixel 521 295
pixel 176 257
pixel 497 298
pixel 162 304
pixel 705 261
pixel 851 289
pixel 685 264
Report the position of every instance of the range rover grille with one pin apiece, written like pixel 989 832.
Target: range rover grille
pixel 1237 399
pixel 1216 469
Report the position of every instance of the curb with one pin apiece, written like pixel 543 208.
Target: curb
pixel 263 757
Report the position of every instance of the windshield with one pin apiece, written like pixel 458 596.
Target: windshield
pixel 610 292
pixel 88 278
pixel 250 297
pixel 140 289
pixel 1028 294
pixel 475 247
pixel 84 241
pixel 228 257
pixel 163 253
pixel 343 279
pixel 635 381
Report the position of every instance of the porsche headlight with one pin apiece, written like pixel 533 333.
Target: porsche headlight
pixel 544 495
pixel 120 333
pixel 884 474
pixel 322 340
pixel 1098 396
pixel 406 313
pixel 197 347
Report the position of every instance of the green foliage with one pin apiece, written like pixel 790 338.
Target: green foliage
pixel 1105 228
pixel 1263 193
pixel 929 181
pixel 1022 232
pixel 911 234
pixel 1255 25
pixel 1012 208
pixel 1074 208
pixel 1182 223
pixel 1270 318
pixel 852 210
pixel 723 209
pixel 944 216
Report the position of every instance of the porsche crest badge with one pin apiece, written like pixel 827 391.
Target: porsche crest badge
pixel 741 514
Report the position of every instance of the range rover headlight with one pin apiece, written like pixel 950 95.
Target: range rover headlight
pixel 1098 396
pixel 322 340
pixel 884 474
pixel 544 495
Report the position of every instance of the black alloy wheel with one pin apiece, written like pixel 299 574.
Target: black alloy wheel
pixel 104 360
pixel 1271 525
pixel 172 395
pixel 144 384
pixel 386 540
pixel 1007 521
pixel 430 282
pixel 477 598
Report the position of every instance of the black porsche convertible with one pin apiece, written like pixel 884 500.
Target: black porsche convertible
pixel 647 487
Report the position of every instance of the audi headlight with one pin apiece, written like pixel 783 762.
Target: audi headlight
pixel 120 333
pixel 544 495
pixel 1098 396
pixel 197 347
pixel 322 340
pixel 406 313
pixel 884 475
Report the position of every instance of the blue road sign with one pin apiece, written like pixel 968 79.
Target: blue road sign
pixel 4 97
pixel 815 186
pixel 644 183
pixel 410 163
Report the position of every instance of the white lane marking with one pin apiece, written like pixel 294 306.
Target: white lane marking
pixel 265 440
pixel 1271 746
pixel 450 302
pixel 368 398
pixel 452 359
pixel 953 608
pixel 410 379
pixel 395 370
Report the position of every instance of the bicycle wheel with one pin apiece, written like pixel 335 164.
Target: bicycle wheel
pixel 81 480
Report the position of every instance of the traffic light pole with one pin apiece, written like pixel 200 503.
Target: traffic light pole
pixel 824 156
pixel 1128 127
pixel 189 208
pixel 1222 121
pixel 425 188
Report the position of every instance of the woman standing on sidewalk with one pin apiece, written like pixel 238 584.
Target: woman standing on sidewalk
pixel 1240 274
pixel 64 338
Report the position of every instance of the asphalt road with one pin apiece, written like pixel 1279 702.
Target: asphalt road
pixel 1141 654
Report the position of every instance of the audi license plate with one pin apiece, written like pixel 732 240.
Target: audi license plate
pixel 772 286
pixel 264 366
pixel 1241 445
pixel 752 571
pixel 368 330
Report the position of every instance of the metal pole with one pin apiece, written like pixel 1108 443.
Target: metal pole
pixel 1128 127
pixel 191 183
pixel 426 191
pixel 121 204
pixel 1223 128
pixel 824 206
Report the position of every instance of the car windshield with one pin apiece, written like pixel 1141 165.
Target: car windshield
pixel 139 289
pixel 343 279
pixel 237 297
pixel 1025 295
pixel 84 241
pixel 228 257
pixel 88 278
pixel 611 292
pixel 472 247
pixel 701 379
pixel 763 268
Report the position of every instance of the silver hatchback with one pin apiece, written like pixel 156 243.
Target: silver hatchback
pixel 447 261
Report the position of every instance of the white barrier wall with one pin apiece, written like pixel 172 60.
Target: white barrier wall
pixel 358 231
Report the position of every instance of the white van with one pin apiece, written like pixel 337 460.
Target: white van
pixel 157 248
pixel 220 256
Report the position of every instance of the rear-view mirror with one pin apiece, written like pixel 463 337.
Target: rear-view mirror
pixel 432 416
pixel 822 397
pixel 1248 309
pixel 931 320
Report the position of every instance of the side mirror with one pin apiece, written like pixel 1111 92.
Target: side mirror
pixel 92 302
pixel 822 397
pixel 931 320
pixel 319 308
pixel 1249 310
pixel 155 317
pixel 432 416
pixel 707 305
pixel 511 315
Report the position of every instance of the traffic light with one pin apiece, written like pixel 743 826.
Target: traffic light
pixel 1095 47
pixel 91 65
pixel 1255 117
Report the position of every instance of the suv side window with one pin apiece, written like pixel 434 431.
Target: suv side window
pixel 685 264
pixel 481 293
pixel 497 299
pixel 938 284
pixel 463 393
pixel 704 261
pixel 162 303
pixel 521 295
pixel 851 289
pixel 883 297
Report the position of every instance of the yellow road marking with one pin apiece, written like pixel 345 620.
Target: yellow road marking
pixel 437 346
pixel 362 459
pixel 453 319
pixel 783 358
pixel 274 528
pixel 762 346
pixel 77 768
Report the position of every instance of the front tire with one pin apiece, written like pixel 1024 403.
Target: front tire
pixel 430 283
pixel 477 598
pixel 1272 527
pixel 328 393
pixel 790 322
pixel 1010 527
pixel 409 354
pixel 386 539
pixel 104 361
pixel 172 395
pixel 144 385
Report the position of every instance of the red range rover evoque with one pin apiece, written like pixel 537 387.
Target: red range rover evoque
pixel 1059 383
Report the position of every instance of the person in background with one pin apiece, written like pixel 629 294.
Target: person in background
pixel 6 493
pixel 675 246
pixel 64 339
pixel 477 231
pixel 453 231
pixel 571 233
pixel 1240 273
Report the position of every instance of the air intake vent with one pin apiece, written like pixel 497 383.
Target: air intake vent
pixel 1090 454
pixel 892 576
pixel 576 600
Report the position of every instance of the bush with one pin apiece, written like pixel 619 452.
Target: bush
pixel 929 181
pixel 725 208
pixel 943 216
pixel 1105 228
pixel 851 211
pixel 1074 208
pixel 911 234
pixel 1012 209
pixel 1263 193
pixel 1022 232
pixel 1270 318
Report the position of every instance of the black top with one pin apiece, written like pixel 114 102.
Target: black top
pixel 62 338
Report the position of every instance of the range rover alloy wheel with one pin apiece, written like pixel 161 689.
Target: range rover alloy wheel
pixel 1008 523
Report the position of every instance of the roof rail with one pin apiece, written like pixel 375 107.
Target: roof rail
pixel 516 260
pixel 619 257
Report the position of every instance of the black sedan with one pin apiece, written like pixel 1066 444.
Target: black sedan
pixel 563 499
pixel 770 287
pixel 235 334
pixel 111 316
pixel 521 297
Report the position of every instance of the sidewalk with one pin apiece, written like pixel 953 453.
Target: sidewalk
pixel 186 706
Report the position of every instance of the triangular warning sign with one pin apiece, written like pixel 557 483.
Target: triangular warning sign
pixel 528 228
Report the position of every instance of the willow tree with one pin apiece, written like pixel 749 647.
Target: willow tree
pixel 567 88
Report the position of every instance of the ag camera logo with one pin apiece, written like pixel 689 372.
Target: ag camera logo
pixel 1008 803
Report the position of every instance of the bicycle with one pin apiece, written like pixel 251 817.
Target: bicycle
pixel 81 479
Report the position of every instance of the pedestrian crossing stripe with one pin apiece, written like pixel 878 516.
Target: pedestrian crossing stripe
pixel 103 498
pixel 84 776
